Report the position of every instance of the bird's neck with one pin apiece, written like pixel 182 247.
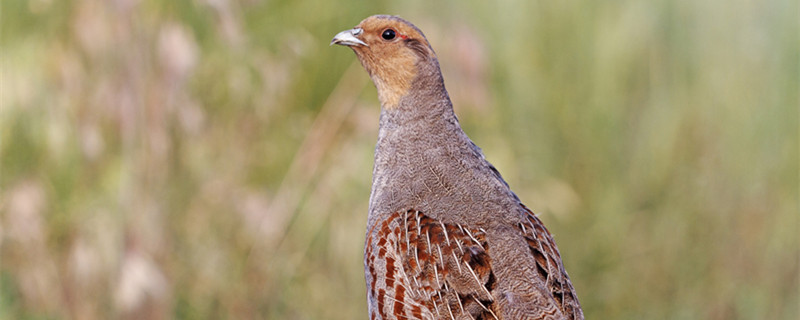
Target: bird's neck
pixel 423 156
pixel 423 115
pixel 420 130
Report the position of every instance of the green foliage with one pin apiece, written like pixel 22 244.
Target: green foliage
pixel 212 159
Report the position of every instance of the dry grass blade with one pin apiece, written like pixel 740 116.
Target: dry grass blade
pixel 311 153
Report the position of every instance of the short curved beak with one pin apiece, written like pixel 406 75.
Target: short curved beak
pixel 349 38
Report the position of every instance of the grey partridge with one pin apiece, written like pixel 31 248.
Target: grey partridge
pixel 446 237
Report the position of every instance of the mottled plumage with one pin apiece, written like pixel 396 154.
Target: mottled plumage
pixel 446 237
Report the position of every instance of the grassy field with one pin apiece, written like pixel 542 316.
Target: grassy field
pixel 212 159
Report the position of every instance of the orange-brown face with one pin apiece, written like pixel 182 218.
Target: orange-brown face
pixel 390 49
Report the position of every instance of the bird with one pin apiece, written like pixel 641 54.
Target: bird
pixel 446 238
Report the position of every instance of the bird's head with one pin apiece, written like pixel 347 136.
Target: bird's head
pixel 394 52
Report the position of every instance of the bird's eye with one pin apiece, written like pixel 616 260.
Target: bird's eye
pixel 388 34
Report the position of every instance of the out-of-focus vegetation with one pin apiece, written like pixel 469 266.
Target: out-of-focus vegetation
pixel 211 159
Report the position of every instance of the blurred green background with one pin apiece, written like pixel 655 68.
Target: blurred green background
pixel 211 159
